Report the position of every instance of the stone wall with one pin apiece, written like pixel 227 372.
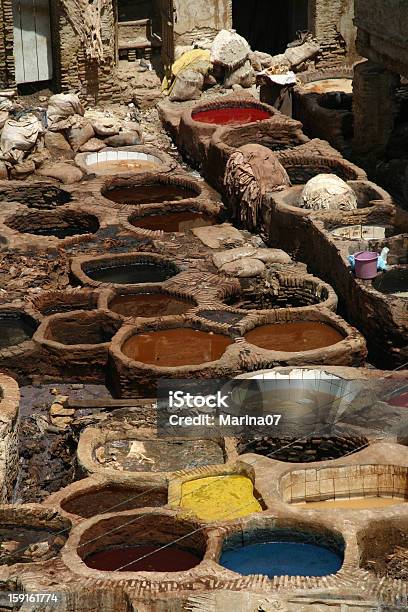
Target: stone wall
pixel 7 71
pixel 196 19
pixel 331 21
pixel 9 421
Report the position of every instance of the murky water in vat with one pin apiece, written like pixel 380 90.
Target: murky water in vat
pixel 132 274
pixel 121 165
pixel 174 221
pixel 176 347
pixel 155 193
pixel 14 330
pixel 356 503
pixel 149 305
pixel 143 558
pixel 294 337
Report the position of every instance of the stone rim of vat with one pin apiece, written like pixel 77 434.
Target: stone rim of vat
pixel 44 334
pixel 92 437
pixel 33 516
pixel 79 265
pixel 128 218
pixel 349 351
pixel 73 561
pixel 355 473
pixel 237 468
pixel 327 162
pixel 257 527
pixel 322 74
pixel 295 281
pixel 43 304
pixel 9 190
pixel 9 412
pixel 193 136
pixel 106 296
pixel 99 482
pixel 166 162
pixel 16 350
pixel 127 371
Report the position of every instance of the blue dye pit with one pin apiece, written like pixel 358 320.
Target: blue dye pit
pixel 282 559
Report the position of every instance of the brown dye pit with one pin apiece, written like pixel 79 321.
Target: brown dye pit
pixel 149 305
pixel 176 347
pixel 15 328
pixel 159 455
pixel 154 193
pixel 27 545
pixel 133 273
pixel 356 503
pixel 113 498
pixel 121 165
pixel 143 559
pixel 294 337
pixel 327 85
pixel 173 222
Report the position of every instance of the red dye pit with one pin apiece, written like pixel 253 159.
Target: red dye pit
pixel 169 559
pixel 231 115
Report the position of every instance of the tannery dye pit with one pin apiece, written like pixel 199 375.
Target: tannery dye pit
pixel 142 559
pixel 132 273
pixel 294 337
pixel 15 328
pixel 182 221
pixel 148 193
pixel 149 305
pixel 394 282
pixel 176 347
pixel 233 115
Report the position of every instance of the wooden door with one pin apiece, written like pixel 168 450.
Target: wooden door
pixel 167 31
pixel 32 40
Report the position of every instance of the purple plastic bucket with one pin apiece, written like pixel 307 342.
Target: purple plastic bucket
pixel 366 264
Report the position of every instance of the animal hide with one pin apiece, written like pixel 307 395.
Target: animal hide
pixel 85 17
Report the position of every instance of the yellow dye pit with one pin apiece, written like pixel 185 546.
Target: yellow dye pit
pixel 220 498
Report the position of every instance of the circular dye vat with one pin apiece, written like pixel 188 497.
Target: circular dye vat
pixel 143 559
pixel 133 273
pixel 282 559
pixel 149 193
pixel 60 224
pixel 159 455
pixel 231 115
pixel 294 337
pixel 360 232
pixel 150 305
pixel 353 503
pixel 121 161
pixel 328 85
pixel 176 347
pixel 394 282
pixel 182 221
pixel 219 498
pixel 72 330
pixel 15 328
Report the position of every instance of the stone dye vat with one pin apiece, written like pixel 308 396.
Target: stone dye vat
pixel 294 337
pixel 124 160
pixel 126 269
pixel 150 304
pixel 356 487
pixel 79 328
pixel 16 327
pixel 323 86
pixel 172 220
pixel 285 292
pixel 139 542
pixel 283 552
pixel 115 453
pixel 51 302
pixel 58 223
pixel 92 496
pixel 303 167
pixel 220 498
pixel 393 282
pixel 39 195
pixel 176 347
pixel 383 550
pixel 31 534
pixel 150 189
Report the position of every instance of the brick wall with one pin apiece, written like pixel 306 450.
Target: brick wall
pixel 7 72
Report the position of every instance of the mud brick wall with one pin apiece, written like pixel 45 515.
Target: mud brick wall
pixel 197 19
pixel 7 71
pixel 9 422
pixel 331 21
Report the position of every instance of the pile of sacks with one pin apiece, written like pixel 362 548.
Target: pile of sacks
pixel 47 145
pixel 229 62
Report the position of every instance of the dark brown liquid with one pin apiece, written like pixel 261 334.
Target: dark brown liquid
pixel 176 347
pixel 173 222
pixel 149 194
pixel 133 274
pixel 14 330
pixel 294 337
pixel 170 559
pixel 149 305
